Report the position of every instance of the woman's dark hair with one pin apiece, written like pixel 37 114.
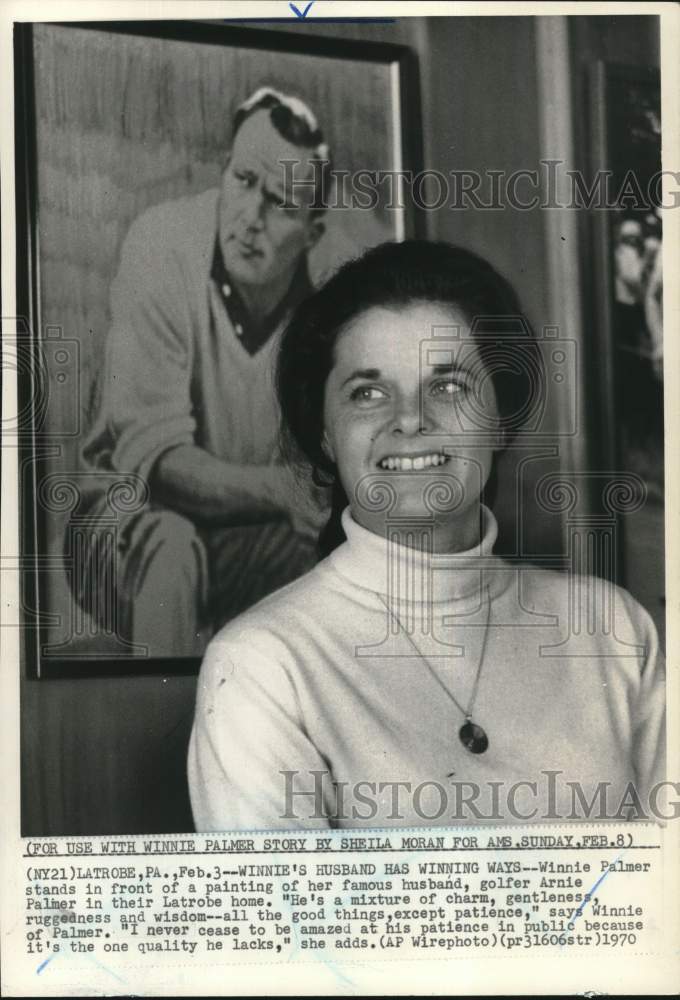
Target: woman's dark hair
pixel 394 275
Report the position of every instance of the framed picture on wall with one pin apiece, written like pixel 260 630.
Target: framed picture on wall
pixel 626 146
pixel 180 188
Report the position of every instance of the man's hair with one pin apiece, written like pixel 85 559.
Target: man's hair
pixel 297 124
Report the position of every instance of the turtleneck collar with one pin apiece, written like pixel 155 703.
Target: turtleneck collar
pixel 416 575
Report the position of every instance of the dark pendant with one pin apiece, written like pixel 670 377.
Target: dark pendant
pixel 473 737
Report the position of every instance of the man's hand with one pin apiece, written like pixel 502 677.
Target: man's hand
pixel 304 504
pixel 194 482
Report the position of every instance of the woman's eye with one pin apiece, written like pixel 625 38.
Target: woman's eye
pixel 367 394
pixel 447 388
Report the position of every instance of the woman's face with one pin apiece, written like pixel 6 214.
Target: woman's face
pixel 408 403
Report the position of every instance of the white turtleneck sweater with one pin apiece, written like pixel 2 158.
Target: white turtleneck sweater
pixel 337 701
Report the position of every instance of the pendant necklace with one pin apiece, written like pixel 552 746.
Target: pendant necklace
pixel 471 735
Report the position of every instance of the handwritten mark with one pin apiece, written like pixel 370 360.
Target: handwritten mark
pixel 579 909
pixel 301 13
pixel 43 964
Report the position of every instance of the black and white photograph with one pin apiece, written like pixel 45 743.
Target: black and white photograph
pixel 339 403
pixel 189 461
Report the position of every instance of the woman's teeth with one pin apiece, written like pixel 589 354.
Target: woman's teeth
pixel 402 464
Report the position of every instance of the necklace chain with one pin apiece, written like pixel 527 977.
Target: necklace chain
pixel 475 687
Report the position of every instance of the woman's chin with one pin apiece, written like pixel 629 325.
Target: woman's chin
pixel 424 495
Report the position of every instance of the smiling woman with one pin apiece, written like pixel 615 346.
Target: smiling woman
pixel 411 655
pixel 398 415
pixel 426 328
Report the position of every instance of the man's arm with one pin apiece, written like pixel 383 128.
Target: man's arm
pixel 192 481
pixel 148 401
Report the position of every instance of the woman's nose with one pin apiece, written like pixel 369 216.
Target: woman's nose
pixel 410 417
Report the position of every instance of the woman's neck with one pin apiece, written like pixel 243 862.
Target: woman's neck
pixel 448 535
pixel 402 562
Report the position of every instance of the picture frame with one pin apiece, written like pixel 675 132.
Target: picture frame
pixel 627 350
pixel 112 118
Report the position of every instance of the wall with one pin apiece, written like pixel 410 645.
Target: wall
pixel 107 755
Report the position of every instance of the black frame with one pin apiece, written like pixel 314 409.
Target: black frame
pixel 32 530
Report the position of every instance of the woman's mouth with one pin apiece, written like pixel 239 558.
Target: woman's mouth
pixel 247 249
pixel 411 463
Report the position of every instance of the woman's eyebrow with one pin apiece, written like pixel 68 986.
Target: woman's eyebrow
pixel 363 373
pixel 449 369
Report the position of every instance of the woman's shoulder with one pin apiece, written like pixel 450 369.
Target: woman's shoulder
pixel 552 591
pixel 275 618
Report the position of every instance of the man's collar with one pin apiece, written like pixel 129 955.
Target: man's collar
pixel 255 334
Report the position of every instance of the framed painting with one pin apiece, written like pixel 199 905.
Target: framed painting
pixel 180 187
